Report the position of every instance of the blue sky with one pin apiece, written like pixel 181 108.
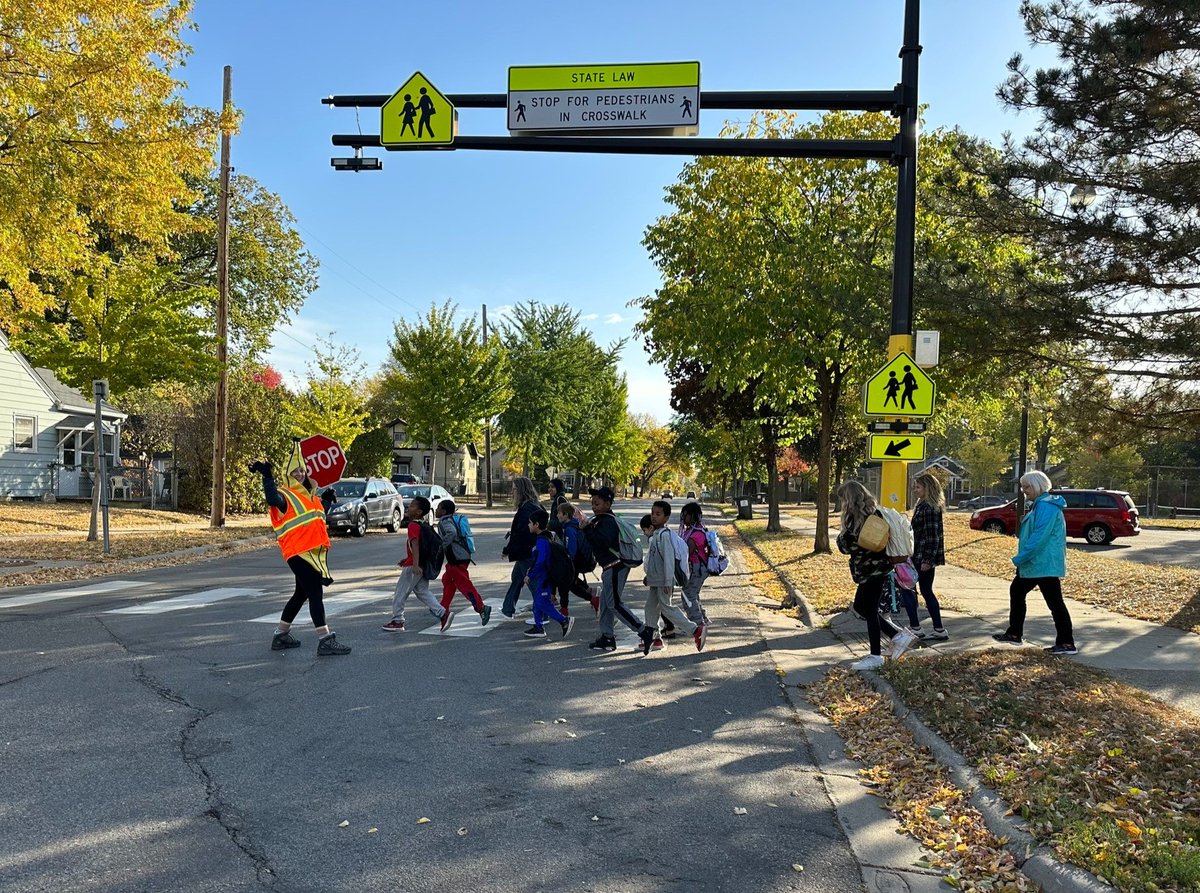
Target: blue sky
pixel 504 227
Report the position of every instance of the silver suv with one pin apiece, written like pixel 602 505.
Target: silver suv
pixel 360 503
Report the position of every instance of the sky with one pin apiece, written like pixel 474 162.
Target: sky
pixel 500 228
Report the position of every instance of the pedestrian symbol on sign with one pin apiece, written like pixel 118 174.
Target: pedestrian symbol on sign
pixel 900 388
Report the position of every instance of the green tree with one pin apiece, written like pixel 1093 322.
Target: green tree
pixel 333 403
pixel 560 377
pixel 130 322
pixel 271 272
pixel 96 142
pixel 1116 122
pixel 1119 468
pixel 370 454
pixel 442 379
pixel 984 461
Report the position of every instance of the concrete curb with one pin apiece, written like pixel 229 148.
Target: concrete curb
pixel 808 616
pixel 1039 862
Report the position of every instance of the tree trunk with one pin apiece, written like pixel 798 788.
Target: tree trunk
pixel 1043 447
pixel 771 438
pixel 825 401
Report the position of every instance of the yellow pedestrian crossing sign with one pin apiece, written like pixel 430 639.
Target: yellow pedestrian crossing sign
pixel 418 115
pixel 901 388
pixel 900 447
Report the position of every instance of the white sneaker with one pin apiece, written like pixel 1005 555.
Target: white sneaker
pixel 870 662
pixel 901 642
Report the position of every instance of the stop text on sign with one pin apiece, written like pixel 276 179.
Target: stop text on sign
pixel 323 460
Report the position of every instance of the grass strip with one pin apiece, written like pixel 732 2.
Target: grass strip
pixel 916 788
pixel 1098 770
pixel 124 544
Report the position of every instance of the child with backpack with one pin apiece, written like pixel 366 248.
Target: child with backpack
pixel 617 549
pixel 699 552
pixel 580 551
pixel 667 628
pixel 422 561
pixel 547 569
pixel 459 544
pixel 662 575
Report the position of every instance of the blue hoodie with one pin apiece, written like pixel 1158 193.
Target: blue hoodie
pixel 1042 541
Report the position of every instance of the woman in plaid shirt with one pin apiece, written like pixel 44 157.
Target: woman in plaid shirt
pixel 928 544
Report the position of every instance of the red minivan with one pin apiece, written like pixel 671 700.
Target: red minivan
pixel 1098 516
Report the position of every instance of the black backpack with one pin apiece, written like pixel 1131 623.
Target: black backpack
pixel 432 551
pixel 560 570
pixel 585 558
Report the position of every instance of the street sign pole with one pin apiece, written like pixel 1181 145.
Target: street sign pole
pixel 893 488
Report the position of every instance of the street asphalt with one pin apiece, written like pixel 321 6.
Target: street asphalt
pixel 174 751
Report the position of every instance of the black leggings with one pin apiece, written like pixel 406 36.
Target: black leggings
pixel 866 603
pixel 309 584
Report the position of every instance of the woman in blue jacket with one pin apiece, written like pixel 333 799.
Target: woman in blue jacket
pixel 519 549
pixel 1041 562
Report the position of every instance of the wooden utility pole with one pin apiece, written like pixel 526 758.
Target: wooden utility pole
pixel 217 518
pixel 487 433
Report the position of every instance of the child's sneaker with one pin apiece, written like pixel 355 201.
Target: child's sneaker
pixel 647 637
pixel 393 626
pixel 658 644
pixel 870 662
pixel 567 626
pixel 917 631
pixel 604 643
pixel 1062 649
pixel 447 619
pixel 535 632
pixel 282 640
pixel 939 634
pixel 700 636
pixel 485 615
pixel 328 646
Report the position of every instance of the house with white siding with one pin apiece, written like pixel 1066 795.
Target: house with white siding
pixel 48 432
pixel 456 467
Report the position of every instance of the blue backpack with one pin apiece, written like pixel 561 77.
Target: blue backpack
pixel 463 526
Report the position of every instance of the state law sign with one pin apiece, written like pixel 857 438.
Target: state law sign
pixel 605 99
pixel 324 459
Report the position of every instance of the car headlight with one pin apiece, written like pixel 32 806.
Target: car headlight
pixel 339 509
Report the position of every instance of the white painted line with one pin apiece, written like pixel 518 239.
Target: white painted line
pixel 337 604
pixel 184 602
pixel 38 598
pixel 466 625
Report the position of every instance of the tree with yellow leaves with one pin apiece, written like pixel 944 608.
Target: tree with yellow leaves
pixel 95 140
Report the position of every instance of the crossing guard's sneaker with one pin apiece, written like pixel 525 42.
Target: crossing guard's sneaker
pixel 329 646
pixel 282 640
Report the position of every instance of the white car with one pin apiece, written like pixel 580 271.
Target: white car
pixel 432 492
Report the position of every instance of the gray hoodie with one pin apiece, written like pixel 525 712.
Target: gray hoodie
pixel 660 559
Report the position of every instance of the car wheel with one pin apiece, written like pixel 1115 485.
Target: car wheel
pixel 994 526
pixel 395 523
pixel 1097 534
pixel 360 525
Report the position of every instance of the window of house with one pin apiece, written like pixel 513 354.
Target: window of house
pixel 24 432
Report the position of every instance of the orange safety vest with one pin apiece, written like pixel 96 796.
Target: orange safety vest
pixel 302 527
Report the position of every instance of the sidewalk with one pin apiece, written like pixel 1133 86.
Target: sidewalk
pixel 1162 661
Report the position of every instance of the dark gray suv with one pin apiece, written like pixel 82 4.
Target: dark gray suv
pixel 361 503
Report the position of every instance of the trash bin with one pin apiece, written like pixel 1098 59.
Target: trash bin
pixel 745 508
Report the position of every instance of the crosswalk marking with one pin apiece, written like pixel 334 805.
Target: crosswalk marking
pixel 337 604
pixel 466 625
pixel 38 598
pixel 184 602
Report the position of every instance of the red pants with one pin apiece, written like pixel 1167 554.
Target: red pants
pixel 458 577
